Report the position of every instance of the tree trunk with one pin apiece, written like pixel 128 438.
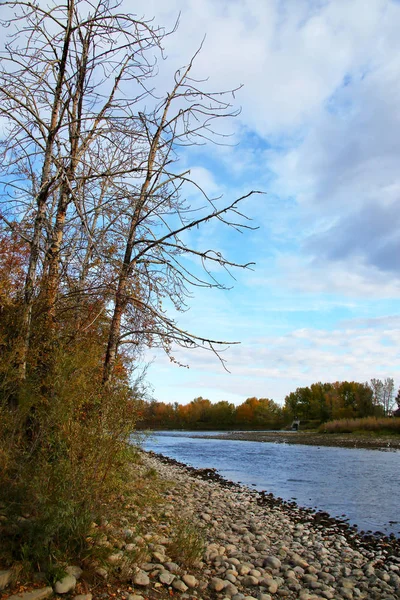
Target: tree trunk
pixel 41 200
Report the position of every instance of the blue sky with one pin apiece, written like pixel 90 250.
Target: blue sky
pixel 319 132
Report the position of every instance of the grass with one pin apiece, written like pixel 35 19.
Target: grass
pixel 383 425
pixel 187 543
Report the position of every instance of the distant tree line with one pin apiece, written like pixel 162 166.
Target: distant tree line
pixel 318 403
pixel 201 413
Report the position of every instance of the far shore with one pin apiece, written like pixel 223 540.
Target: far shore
pixel 312 438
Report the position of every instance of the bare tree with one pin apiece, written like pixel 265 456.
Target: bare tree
pixel 155 251
pixel 91 156
pixel 63 86
pixel 383 393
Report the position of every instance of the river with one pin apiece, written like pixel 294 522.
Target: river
pixel 360 485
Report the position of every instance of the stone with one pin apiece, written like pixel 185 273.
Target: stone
pixel 166 577
pixel 217 584
pixel 249 580
pixel 158 556
pixel 273 562
pixel 5 578
pixel 135 597
pixel 130 547
pixel 272 586
pixel 103 573
pixel 65 585
pixel 230 590
pixel 141 578
pixel 179 585
pixel 114 559
pixel 190 581
pixel 83 597
pixel 244 569
pixel 33 595
pixel 128 533
pixel 74 570
pixel 171 566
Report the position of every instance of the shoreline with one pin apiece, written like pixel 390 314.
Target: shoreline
pixel 339 440
pixel 367 540
pixel 286 551
pixel 189 533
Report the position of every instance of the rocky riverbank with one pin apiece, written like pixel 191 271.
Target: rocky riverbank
pixel 189 534
pixel 312 438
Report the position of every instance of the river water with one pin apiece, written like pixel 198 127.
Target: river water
pixel 360 485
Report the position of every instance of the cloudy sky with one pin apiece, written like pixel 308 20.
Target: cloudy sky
pixel 319 132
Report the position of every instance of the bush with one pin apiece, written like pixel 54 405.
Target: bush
pixel 62 456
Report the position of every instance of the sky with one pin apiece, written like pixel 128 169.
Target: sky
pixel 319 133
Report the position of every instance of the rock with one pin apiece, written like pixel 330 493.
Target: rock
pixel 74 570
pixel 179 585
pixel 33 595
pixel 159 557
pixel 166 577
pixel 190 581
pixel 243 569
pixel 230 590
pixel 130 547
pixel 135 597
pixel 114 559
pixel 128 533
pixel 249 580
pixel 299 562
pixel 272 586
pixel 217 585
pixel 103 573
pixel 172 567
pixel 65 585
pixel 141 578
pixel 5 578
pixel 273 562
pixel 83 597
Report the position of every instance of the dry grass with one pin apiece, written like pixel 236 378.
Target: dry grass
pixel 368 424
pixel 187 543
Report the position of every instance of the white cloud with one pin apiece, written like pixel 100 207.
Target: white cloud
pixel 274 366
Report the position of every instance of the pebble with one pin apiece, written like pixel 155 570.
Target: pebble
pixel 190 581
pixel 5 578
pixel 284 553
pixel 166 577
pixel 179 585
pixel 65 585
pixel 141 578
pixel 33 595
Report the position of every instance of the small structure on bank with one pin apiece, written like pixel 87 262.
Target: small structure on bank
pixel 296 424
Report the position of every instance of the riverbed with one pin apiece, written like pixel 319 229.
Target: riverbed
pixel 358 485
